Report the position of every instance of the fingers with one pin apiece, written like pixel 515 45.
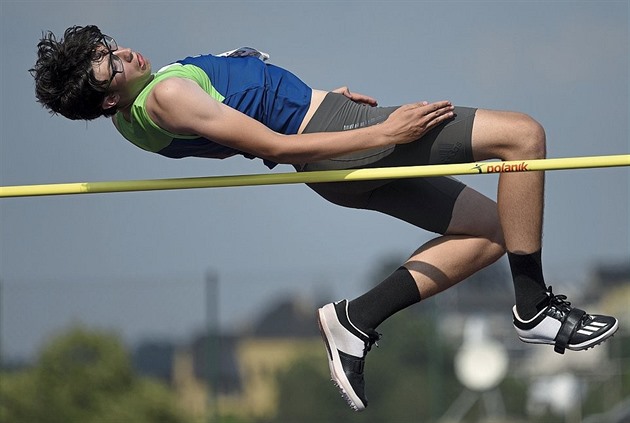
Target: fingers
pixel 341 90
pixel 416 119
pixel 356 97
pixel 365 99
pixel 427 115
pixel 434 107
pixel 441 112
pixel 437 112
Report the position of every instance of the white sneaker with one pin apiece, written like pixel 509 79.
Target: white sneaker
pixel 561 325
pixel 346 347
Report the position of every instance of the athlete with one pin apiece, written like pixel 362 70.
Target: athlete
pixel 238 104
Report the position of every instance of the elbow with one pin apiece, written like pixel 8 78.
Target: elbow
pixel 275 154
pixel 283 151
pixel 285 158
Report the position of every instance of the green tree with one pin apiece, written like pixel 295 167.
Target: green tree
pixel 85 377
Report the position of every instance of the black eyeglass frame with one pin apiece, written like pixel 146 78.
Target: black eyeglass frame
pixel 115 62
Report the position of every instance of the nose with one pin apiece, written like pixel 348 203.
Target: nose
pixel 124 53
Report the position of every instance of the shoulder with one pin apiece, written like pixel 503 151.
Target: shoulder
pixel 172 93
pixel 180 105
pixel 172 88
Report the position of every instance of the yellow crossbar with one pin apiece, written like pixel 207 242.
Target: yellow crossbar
pixel 316 176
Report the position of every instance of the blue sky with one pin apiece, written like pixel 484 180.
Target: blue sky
pixel 138 261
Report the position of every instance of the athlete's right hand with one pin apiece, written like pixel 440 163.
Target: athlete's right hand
pixel 412 121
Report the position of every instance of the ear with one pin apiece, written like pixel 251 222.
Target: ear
pixel 110 101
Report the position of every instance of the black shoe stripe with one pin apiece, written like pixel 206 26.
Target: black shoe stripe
pixel 341 310
pixel 351 363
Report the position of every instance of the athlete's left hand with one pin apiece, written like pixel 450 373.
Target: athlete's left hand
pixel 357 98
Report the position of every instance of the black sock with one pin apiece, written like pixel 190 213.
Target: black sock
pixel 395 293
pixel 529 285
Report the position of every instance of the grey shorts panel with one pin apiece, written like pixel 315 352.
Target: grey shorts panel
pixel 424 202
pixel 338 113
pixel 449 142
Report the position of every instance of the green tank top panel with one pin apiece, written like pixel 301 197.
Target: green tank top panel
pixel 142 131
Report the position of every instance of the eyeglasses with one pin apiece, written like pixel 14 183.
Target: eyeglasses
pixel 115 62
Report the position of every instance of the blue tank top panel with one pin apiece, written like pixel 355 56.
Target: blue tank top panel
pixel 264 92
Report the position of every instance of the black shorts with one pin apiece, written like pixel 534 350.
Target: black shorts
pixel 424 202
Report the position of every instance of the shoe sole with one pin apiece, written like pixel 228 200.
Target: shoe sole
pixel 337 375
pixel 591 343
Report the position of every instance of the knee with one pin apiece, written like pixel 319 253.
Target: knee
pixel 491 245
pixel 476 215
pixel 492 232
pixel 531 142
pixel 497 244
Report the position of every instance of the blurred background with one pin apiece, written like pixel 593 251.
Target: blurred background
pixel 198 305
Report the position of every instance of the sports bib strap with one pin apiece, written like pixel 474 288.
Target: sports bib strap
pixel 568 328
pixel 245 52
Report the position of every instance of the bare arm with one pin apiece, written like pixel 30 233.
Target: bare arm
pixel 181 106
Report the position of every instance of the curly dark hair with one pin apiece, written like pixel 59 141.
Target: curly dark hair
pixel 64 79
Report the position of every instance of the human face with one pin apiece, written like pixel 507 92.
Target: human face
pixel 126 72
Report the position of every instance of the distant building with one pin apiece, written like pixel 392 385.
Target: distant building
pixel 612 275
pixel 155 359
pixel 236 374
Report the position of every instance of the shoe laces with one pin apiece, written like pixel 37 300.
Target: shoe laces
pixel 373 338
pixel 560 303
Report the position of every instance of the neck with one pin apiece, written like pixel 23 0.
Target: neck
pixel 125 106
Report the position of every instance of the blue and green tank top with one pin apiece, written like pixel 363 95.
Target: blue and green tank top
pixel 267 93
